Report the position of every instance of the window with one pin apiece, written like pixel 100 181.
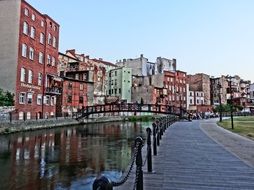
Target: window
pixel 26 12
pixel 32 32
pixel 69 99
pixel 55 28
pixel 24 50
pixel 190 101
pixel 22 98
pixel 54 41
pixel 23 75
pixel 49 59
pixel 21 115
pixel 42 38
pixel 53 61
pixel 39 79
pixel 42 23
pixel 33 17
pixel 115 73
pixel 52 100
pixel 29 97
pixel 109 92
pixel 25 28
pixel 46 100
pixel 41 57
pixel 81 87
pixel 39 99
pixel 31 53
pixel 115 91
pixel 70 86
pixel 28 115
pixel 49 39
pixel 197 101
pixel 120 91
pixel 30 76
pixel 81 99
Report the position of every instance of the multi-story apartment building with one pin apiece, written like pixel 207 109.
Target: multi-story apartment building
pixel 78 86
pixel 195 100
pixel 251 92
pixel 97 72
pixel 119 83
pixel 218 88
pixel 142 67
pixel 238 89
pixel 28 53
pixel 201 82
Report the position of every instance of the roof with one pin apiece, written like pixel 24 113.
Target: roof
pixel 104 62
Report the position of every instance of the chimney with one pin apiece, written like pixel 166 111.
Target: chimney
pixel 174 64
pixel 124 60
pixel 141 55
pixel 100 59
pixel 87 56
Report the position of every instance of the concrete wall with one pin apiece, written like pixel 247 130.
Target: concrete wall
pixel 9 36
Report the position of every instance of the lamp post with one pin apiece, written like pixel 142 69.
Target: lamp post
pixel 220 87
pixel 231 101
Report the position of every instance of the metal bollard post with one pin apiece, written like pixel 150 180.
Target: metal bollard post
pixel 139 163
pixel 158 135
pixel 102 183
pixel 149 150
pixel 154 140
pixel 160 131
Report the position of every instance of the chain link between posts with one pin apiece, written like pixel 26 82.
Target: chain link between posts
pixel 115 184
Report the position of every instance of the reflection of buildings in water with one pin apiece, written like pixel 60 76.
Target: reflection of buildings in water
pixel 68 153
pixel 25 151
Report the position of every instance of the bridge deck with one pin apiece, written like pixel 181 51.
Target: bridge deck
pixel 189 159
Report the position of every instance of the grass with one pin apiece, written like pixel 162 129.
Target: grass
pixel 242 125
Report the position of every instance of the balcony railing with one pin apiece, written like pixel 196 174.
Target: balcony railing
pixel 54 90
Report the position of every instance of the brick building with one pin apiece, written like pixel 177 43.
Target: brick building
pixel 29 54
pixel 78 84
pixel 201 82
pixel 97 73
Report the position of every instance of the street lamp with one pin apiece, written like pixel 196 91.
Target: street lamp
pixel 220 87
pixel 231 100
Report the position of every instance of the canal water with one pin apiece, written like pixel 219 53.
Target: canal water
pixel 67 158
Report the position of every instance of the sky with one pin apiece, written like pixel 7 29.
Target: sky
pixel 215 37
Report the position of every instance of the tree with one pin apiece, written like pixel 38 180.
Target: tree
pixel 6 98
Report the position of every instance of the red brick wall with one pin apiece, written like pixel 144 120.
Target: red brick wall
pixel 34 64
pixel 75 92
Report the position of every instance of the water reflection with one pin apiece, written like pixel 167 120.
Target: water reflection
pixel 66 158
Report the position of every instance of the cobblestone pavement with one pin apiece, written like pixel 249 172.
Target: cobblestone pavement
pixel 190 159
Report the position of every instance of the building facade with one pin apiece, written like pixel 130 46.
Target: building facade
pixel 201 82
pixel 29 54
pixel 218 88
pixel 119 83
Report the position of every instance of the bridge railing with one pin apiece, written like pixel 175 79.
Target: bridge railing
pixel 129 107
pixel 159 127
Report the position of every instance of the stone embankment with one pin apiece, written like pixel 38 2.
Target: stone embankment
pixel 7 127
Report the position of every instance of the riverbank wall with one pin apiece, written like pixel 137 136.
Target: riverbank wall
pixel 31 125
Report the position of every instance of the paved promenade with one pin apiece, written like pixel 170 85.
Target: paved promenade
pixel 200 155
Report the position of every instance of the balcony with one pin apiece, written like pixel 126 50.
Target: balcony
pixel 53 90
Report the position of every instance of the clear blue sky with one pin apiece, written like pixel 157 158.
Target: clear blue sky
pixel 210 36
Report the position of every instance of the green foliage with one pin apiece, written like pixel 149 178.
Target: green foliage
pixel 6 98
pixel 226 108
pixel 141 118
